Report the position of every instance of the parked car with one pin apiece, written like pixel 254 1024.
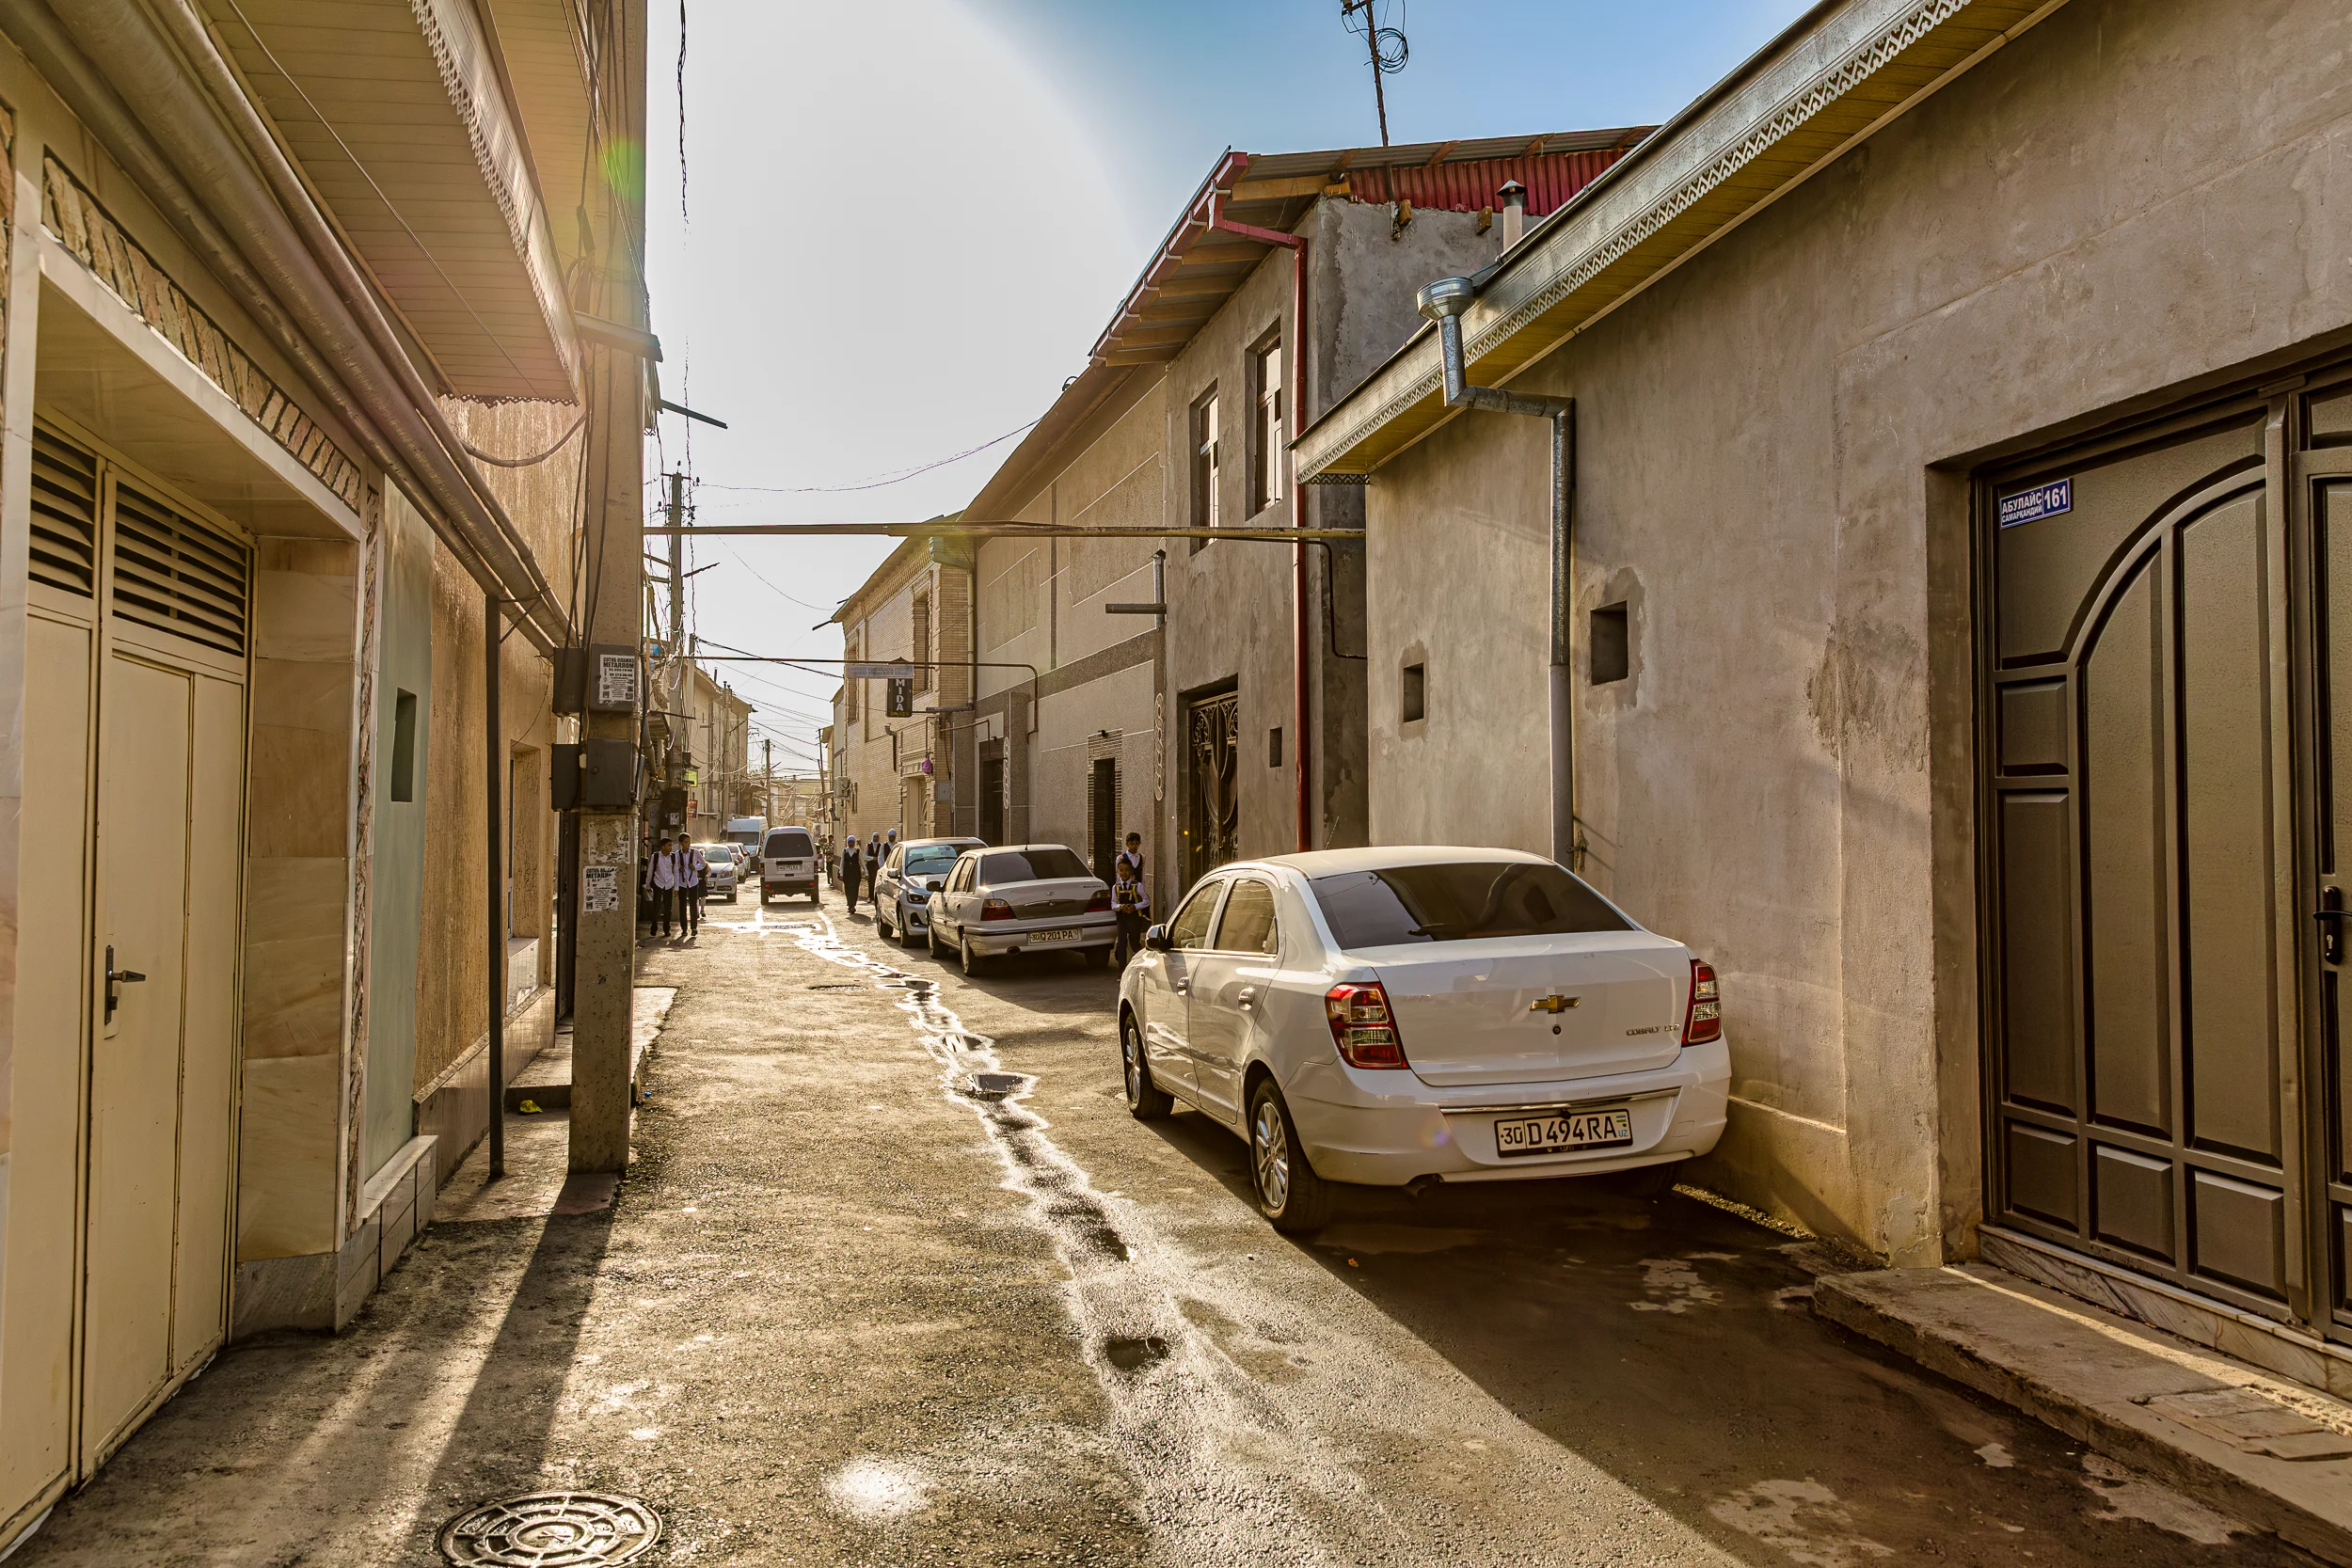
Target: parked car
pixel 1022 899
pixel 1402 1015
pixel 910 874
pixel 719 858
pixel 787 864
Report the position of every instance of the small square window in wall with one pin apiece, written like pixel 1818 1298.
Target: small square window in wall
pixel 1274 747
pixel 1611 644
pixel 1415 706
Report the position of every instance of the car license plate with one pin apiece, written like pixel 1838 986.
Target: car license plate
pixel 1066 934
pixel 1549 1135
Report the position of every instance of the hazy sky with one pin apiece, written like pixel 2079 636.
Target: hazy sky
pixel 906 221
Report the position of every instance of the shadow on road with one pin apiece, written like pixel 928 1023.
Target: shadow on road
pixel 1674 1344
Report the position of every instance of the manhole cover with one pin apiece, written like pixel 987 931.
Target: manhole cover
pixel 551 1529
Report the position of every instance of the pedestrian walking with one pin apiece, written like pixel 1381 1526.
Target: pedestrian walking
pixel 664 878
pixel 693 884
pixel 851 863
pixel 1131 900
pixel 873 862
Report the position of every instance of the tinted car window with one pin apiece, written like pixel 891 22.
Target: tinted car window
pixel 931 860
pixel 786 845
pixel 1458 901
pixel 1032 865
pixel 1248 925
pixel 1191 926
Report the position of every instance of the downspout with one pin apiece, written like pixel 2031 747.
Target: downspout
pixel 493 748
pixel 1302 643
pixel 400 423
pixel 1443 303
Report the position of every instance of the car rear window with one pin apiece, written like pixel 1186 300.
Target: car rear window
pixel 787 845
pixel 1459 901
pixel 1032 865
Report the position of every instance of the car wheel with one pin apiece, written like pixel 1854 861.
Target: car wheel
pixel 930 939
pixel 906 938
pixel 881 927
pixel 763 895
pixel 1095 958
pixel 1290 1194
pixel 974 965
pixel 1146 1100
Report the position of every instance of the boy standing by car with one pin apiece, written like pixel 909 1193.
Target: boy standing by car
pixel 1131 901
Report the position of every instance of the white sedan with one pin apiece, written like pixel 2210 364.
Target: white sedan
pixel 1397 1016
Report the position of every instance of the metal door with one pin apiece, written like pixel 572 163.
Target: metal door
pixel 1213 765
pixel 135 744
pixel 2158 826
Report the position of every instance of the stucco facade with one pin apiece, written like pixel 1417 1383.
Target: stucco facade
pixel 2118 209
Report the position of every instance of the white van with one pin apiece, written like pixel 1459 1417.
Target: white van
pixel 787 864
pixel 748 831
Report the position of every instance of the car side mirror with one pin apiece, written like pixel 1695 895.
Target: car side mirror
pixel 1156 938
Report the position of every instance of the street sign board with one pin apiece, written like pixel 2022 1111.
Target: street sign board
pixel 856 672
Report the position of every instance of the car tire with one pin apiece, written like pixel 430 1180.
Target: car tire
pixel 906 938
pixel 763 895
pixel 881 928
pixel 974 964
pixel 1290 1194
pixel 1146 1100
pixel 1095 958
pixel 930 939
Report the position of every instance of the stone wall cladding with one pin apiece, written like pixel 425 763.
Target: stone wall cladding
pixel 69 212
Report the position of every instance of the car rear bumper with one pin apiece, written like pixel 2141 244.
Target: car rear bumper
pixel 1355 1129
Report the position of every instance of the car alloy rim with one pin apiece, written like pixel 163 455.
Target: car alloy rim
pixel 1273 1155
pixel 1128 1060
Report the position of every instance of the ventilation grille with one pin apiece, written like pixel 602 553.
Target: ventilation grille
pixel 174 574
pixel 65 513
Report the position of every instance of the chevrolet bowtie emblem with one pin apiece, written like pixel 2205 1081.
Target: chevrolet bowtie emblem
pixel 1554 1004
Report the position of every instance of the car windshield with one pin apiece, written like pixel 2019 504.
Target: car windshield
pixel 1458 901
pixel 1032 865
pixel 931 860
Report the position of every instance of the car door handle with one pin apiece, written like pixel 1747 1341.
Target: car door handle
pixel 1248 994
pixel 1183 988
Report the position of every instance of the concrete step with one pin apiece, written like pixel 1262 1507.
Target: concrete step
pixel 2275 1453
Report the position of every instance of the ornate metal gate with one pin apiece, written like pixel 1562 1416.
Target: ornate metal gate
pixel 1212 775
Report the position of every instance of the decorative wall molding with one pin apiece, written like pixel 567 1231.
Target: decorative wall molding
pixel 131 275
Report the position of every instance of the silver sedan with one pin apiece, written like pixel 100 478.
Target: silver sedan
pixel 1022 899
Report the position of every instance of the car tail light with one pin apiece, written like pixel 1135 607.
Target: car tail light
pixel 1703 1020
pixel 1363 1027
pixel 1102 900
pixel 995 908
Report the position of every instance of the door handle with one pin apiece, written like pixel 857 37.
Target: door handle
pixel 114 979
pixel 1248 994
pixel 1184 988
pixel 2330 915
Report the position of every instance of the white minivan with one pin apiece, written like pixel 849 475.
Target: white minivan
pixel 787 864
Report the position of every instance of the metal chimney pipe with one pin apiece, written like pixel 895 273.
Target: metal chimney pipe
pixel 1514 198
pixel 1443 303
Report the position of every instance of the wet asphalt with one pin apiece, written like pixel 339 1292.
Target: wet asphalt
pixel 896 1280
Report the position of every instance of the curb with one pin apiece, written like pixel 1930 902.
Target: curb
pixel 2092 1375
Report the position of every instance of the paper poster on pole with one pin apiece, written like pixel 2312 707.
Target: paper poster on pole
pixel 599 889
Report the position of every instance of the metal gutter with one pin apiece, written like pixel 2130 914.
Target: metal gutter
pixel 1842 72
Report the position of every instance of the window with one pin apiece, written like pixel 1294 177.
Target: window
pixel 922 643
pixel 1613 645
pixel 931 860
pixel 1190 927
pixel 1103 814
pixel 1414 705
pixel 1265 426
pixel 789 844
pixel 1274 747
pixel 1032 865
pixel 1458 901
pixel 1248 925
pixel 1204 464
pixel 404 781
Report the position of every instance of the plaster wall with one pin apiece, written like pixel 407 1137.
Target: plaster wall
pixel 2128 204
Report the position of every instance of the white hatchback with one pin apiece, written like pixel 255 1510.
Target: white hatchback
pixel 1403 1014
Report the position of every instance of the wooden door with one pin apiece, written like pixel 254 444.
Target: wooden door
pixel 2140 829
pixel 2326 485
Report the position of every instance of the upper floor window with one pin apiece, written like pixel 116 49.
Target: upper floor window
pixel 1204 463
pixel 1266 431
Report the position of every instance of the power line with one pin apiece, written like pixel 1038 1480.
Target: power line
pixel 892 477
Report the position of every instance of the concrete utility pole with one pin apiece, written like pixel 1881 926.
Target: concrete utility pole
pixel 674 769
pixel 602 996
pixel 767 781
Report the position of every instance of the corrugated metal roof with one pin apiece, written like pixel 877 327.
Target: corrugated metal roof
pixel 1195 269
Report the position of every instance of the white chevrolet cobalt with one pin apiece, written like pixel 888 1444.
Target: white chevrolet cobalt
pixel 1395 1016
